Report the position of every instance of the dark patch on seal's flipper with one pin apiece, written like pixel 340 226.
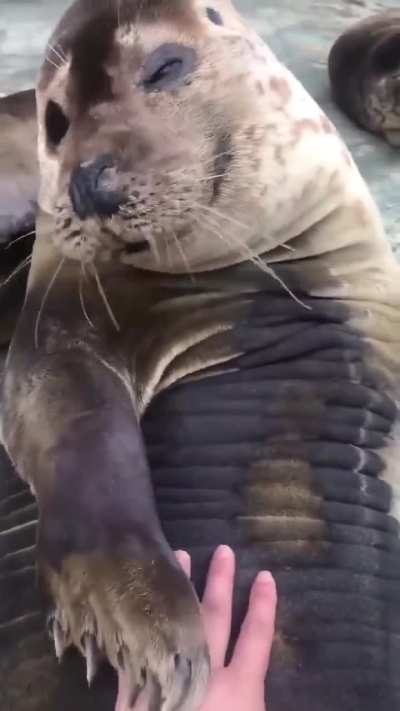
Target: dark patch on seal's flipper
pixel 363 69
pixel 283 459
pixel 31 679
pixel 18 165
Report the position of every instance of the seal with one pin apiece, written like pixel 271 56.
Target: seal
pixel 364 74
pixel 19 172
pixel 18 202
pixel 207 353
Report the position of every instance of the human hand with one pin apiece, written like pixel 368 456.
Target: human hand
pixel 239 686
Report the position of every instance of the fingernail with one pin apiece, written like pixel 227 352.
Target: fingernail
pixel 181 552
pixel 224 552
pixel 264 578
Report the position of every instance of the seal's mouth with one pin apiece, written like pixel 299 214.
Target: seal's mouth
pixel 137 247
pixel 111 210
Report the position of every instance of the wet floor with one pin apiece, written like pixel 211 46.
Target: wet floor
pixel 25 26
pixel 300 32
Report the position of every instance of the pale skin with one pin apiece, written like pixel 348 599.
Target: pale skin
pixel 240 685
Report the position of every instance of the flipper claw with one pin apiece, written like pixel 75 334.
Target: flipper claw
pixel 92 656
pixel 58 635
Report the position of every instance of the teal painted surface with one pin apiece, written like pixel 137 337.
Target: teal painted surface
pixel 300 32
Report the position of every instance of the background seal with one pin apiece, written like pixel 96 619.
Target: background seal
pixel 364 66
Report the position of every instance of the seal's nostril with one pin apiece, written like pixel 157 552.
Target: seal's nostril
pixel 89 193
pixel 80 194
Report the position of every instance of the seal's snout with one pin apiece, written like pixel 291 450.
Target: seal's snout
pixel 90 191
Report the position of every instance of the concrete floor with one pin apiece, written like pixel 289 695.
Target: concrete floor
pixel 25 26
pixel 301 33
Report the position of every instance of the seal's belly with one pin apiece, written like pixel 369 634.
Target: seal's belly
pixel 284 455
pixel 284 459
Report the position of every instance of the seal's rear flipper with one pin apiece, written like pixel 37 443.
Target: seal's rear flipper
pixel 18 165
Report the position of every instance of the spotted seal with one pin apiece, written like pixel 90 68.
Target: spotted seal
pixel 207 353
pixel 17 159
pixel 18 201
pixel 364 73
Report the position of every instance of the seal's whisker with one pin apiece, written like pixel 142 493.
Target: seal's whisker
pixel 60 49
pixel 62 59
pixel 105 299
pixel 167 251
pixel 50 61
pixel 137 20
pixel 82 296
pixel 44 300
pixel 139 11
pixel 16 271
pixel 185 260
pixel 226 176
pixel 18 239
pixel 256 260
pixel 244 249
pixel 209 176
pixel 154 247
pixel 218 155
pixel 206 178
pixel 178 171
pixel 221 215
pixel 228 217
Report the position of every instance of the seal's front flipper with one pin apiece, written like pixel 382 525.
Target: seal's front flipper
pixel 114 586
pixel 18 165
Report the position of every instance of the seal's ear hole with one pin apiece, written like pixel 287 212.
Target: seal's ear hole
pixel 387 55
pixel 168 67
pixel 57 123
pixel 214 16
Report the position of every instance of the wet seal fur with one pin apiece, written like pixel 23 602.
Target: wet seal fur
pixel 364 71
pixel 212 316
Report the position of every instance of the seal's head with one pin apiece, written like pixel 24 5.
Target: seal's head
pixel 139 144
pixel 364 67
pixel 172 139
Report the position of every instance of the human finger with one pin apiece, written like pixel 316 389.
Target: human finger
pixel 253 647
pixel 217 604
pixel 127 699
pixel 185 560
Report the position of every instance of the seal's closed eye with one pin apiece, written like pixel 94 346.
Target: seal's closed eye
pixel 57 124
pixel 168 67
pixel 214 16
